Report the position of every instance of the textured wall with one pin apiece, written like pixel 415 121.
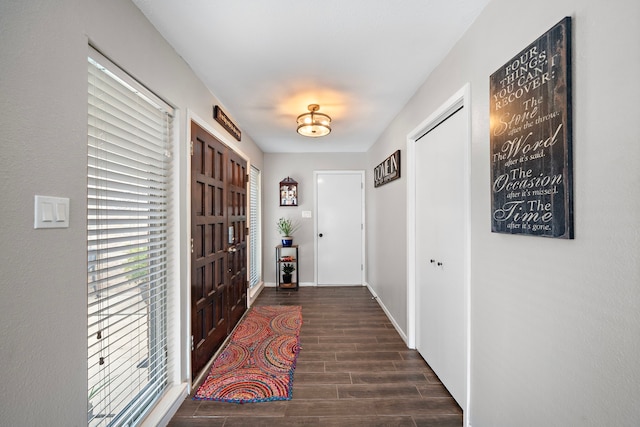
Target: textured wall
pixel 300 167
pixel 43 281
pixel 555 324
pixel 43 118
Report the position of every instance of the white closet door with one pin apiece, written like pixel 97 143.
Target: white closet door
pixel 440 256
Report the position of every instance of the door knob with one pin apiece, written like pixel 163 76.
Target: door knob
pixel 320 235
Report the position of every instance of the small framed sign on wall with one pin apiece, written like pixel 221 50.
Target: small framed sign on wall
pixel 226 122
pixel 531 139
pixel 388 170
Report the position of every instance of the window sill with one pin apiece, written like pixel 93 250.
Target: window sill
pixel 252 293
pixel 167 406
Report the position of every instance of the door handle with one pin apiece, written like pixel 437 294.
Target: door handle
pixel 320 235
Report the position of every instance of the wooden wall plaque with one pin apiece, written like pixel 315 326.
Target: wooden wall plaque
pixel 388 170
pixel 531 139
pixel 226 122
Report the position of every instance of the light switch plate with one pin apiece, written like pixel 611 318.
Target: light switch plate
pixel 51 212
pixel 306 214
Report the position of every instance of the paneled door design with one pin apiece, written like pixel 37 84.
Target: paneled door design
pixel 237 235
pixel 218 244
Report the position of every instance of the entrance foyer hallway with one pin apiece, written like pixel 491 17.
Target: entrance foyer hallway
pixel 353 370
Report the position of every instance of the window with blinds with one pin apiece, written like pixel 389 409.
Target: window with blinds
pixel 129 247
pixel 254 228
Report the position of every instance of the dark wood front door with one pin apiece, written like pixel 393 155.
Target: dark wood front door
pixel 237 222
pixel 218 259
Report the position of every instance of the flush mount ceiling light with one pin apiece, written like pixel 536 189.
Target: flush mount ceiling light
pixel 314 124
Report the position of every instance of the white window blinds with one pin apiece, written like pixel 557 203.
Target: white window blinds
pixel 254 228
pixel 129 249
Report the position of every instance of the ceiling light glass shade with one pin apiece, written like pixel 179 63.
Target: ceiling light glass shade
pixel 314 124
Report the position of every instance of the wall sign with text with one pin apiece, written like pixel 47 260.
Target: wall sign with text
pixel 388 170
pixel 226 122
pixel 531 139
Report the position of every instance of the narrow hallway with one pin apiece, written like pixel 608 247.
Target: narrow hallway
pixel 354 369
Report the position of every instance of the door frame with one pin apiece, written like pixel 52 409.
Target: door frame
pixel 459 99
pixel 185 230
pixel 316 173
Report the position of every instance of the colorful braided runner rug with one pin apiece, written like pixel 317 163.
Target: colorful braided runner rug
pixel 258 362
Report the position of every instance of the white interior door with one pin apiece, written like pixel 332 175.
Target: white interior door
pixel 440 253
pixel 340 227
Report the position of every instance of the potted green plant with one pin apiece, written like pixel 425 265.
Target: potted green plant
pixel 287 270
pixel 94 391
pixel 286 228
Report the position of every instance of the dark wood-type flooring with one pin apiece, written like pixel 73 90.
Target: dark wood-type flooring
pixel 353 370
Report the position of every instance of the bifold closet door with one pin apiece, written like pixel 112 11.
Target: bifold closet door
pixel 440 245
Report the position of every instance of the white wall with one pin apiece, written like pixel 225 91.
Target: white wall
pixel 555 323
pixel 387 230
pixel 299 167
pixel 43 122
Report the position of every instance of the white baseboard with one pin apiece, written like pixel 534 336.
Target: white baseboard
pixel 403 335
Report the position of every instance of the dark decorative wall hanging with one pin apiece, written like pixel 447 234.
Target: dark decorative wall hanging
pixel 288 190
pixel 531 139
pixel 388 170
pixel 226 122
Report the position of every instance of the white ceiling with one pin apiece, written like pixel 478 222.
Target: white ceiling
pixel 266 60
